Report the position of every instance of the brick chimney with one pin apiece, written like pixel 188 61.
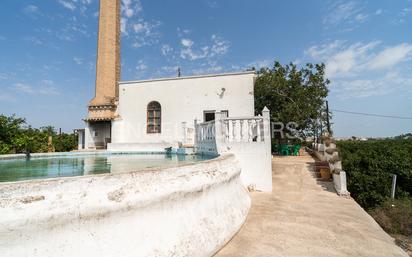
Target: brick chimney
pixel 103 106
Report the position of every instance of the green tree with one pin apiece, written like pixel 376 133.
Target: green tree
pixel 294 95
pixel 10 131
pixel 17 137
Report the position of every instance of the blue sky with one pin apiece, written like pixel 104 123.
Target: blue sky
pixel 48 52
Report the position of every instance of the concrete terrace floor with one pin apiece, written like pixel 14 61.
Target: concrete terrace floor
pixel 305 217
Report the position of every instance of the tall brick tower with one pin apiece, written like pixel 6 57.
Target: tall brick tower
pixel 103 106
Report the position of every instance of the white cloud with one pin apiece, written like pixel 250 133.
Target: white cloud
pixel 402 15
pixel 141 66
pixel 217 47
pixel 166 49
pixel 129 9
pixel 344 13
pixel 187 42
pixel 145 33
pixel 68 4
pixel 123 26
pixel 27 89
pixel 364 69
pixel 31 9
pixel 261 64
pixel 379 85
pixel 2 38
pixel 7 97
pixel 212 4
pixel 182 32
pixel 208 70
pixel 78 60
pixel 46 87
pixel 391 56
pixel 342 59
pixel 75 4
pixel 379 12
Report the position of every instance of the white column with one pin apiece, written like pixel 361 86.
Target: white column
pixel 266 128
pixel 184 133
pixel 196 135
pixel 80 134
pixel 218 131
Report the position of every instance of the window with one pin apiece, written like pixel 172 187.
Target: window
pixel 154 118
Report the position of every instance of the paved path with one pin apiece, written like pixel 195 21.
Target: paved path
pixel 305 217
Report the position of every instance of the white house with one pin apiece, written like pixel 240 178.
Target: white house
pixel 155 114
pixel 209 114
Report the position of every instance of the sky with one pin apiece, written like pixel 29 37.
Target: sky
pixel 48 52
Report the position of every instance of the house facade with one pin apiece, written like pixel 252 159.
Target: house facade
pixel 160 113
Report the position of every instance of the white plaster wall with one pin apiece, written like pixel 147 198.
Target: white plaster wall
pixel 103 131
pixel 256 164
pixel 182 100
pixel 80 136
pixel 186 211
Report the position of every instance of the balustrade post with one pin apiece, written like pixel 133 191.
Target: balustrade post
pixel 266 128
pixel 218 130
pixel 196 133
pixel 184 132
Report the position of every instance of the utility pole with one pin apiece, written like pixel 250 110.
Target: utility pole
pixel 327 118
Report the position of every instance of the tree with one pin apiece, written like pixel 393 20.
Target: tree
pixel 294 95
pixel 10 131
pixel 17 137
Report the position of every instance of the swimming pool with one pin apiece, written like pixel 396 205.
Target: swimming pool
pixel 88 164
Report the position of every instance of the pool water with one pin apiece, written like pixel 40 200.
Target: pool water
pixel 78 165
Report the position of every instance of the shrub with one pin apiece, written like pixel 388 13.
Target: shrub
pixel 395 216
pixel 17 137
pixel 369 166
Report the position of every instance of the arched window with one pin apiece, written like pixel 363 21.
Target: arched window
pixel 154 118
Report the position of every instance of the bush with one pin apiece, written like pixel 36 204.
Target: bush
pixel 369 166
pixel 17 137
pixel 65 142
pixel 395 216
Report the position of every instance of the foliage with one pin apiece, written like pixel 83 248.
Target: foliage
pixel 395 216
pixel 294 95
pixel 369 166
pixel 17 137
pixel 65 142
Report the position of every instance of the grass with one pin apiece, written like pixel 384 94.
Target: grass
pixel 395 217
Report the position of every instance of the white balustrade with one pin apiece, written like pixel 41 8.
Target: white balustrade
pixel 243 129
pixel 248 138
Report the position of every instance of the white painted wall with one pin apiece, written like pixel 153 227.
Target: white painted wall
pixel 182 100
pixel 192 210
pixel 249 141
pixel 103 132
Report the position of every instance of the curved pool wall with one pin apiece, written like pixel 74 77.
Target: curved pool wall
pixel 192 210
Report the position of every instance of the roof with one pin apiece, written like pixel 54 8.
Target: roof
pixel 188 77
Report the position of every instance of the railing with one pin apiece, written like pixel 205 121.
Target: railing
pixel 188 135
pixel 206 131
pixel 205 138
pixel 243 129
pixel 248 138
